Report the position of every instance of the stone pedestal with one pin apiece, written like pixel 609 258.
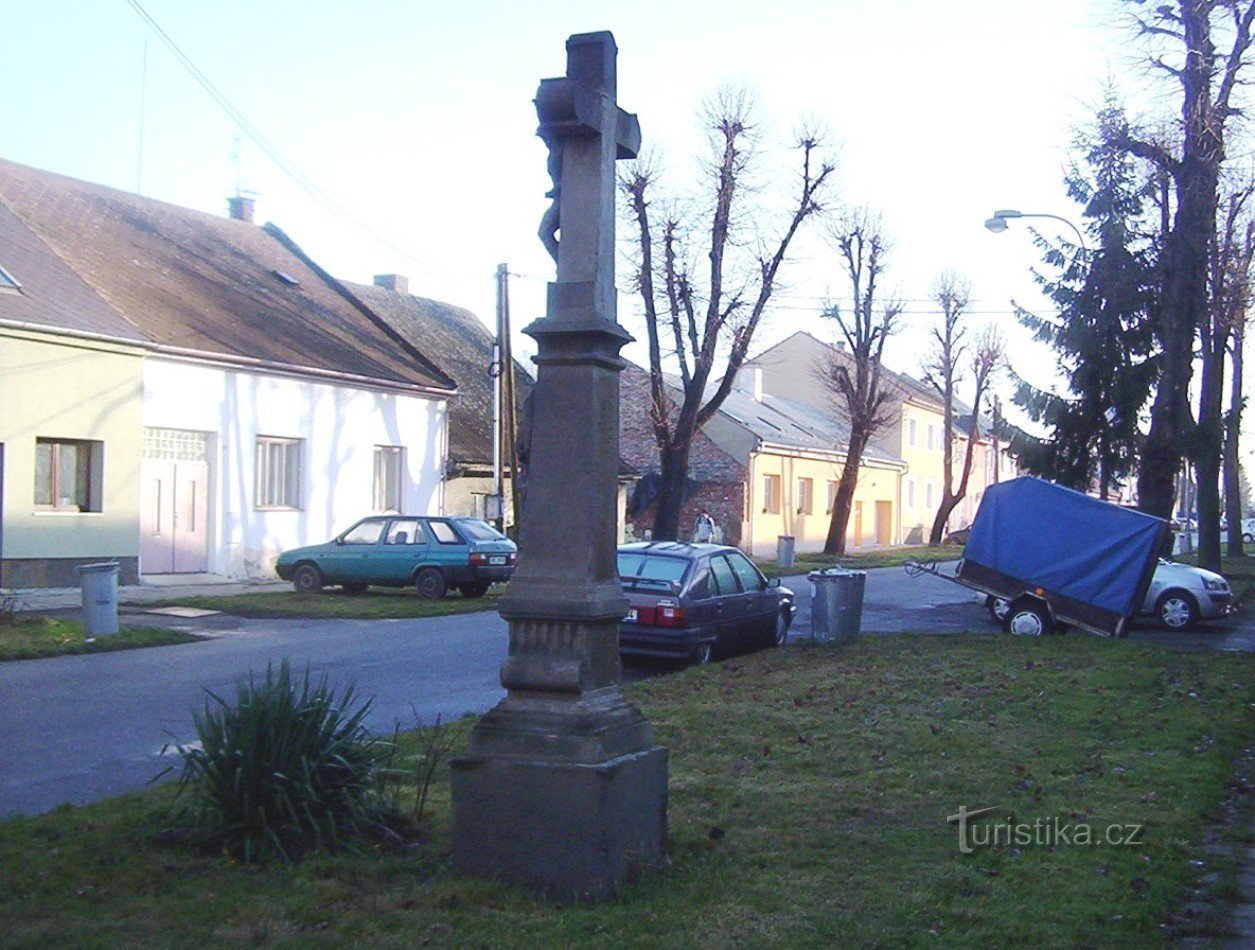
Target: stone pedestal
pixel 562 786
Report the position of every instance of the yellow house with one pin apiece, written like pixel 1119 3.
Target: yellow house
pixel 793 457
pixel 914 437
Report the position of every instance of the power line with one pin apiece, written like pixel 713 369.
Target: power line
pixel 301 180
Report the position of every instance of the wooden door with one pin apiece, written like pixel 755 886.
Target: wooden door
pixel 884 522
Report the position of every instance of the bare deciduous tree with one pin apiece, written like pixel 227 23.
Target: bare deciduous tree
pixel 943 371
pixel 853 373
pixel 1208 76
pixel 710 329
pixel 1231 301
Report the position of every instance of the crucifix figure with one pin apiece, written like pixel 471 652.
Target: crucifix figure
pixel 562 785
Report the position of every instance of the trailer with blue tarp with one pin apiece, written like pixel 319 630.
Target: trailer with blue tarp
pixel 1060 558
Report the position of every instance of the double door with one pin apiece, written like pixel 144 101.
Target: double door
pixel 174 516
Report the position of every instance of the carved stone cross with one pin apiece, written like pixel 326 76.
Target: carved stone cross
pixel 586 132
pixel 562 785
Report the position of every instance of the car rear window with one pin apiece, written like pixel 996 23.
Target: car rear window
pixel 443 532
pixel 650 570
pixel 479 530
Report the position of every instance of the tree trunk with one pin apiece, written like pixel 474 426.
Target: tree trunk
pixel 673 465
pixel 1208 447
pixel 843 504
pixel 1233 429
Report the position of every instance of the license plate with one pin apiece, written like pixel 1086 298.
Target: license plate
pixel 631 615
pixel 497 560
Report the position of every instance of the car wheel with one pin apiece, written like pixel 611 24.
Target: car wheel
pixel 1028 618
pixel 430 584
pixel 780 635
pixel 1177 610
pixel 307 579
pixel 478 589
pixel 997 607
pixel 1247 538
pixel 357 587
pixel 702 653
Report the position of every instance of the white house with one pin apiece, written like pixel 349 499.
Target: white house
pixel 274 407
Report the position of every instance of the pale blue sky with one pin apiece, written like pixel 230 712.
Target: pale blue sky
pixel 417 117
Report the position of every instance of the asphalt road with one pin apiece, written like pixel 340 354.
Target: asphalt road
pixel 77 728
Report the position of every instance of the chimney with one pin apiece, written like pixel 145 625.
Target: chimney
pixel 397 283
pixel 758 384
pixel 240 207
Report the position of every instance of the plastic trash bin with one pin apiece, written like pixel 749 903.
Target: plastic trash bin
pixel 784 550
pixel 836 603
pixel 100 598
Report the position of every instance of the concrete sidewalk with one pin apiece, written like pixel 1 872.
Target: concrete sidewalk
pixel 155 587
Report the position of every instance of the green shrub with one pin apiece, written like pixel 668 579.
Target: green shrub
pixel 288 768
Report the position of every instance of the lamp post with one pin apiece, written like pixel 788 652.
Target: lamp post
pixel 998 222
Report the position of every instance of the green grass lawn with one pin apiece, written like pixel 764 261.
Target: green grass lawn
pixel 809 794
pixel 28 637
pixel 377 603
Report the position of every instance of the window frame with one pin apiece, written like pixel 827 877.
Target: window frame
pixel 262 480
pixel 834 486
pixel 805 496
pixel 88 476
pixel 389 462
pixel 912 432
pixel 771 494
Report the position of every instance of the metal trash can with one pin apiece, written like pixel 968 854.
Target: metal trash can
pixel 784 550
pixel 100 598
pixel 836 603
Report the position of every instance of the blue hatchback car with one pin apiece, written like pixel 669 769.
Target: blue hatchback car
pixel 431 553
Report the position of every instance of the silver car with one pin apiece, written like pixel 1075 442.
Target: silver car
pixel 1180 595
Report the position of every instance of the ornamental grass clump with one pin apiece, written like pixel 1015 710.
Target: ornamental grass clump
pixel 288 768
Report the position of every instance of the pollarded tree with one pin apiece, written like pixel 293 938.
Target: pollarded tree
pixel 853 373
pixel 1102 334
pixel 708 314
pixel 944 371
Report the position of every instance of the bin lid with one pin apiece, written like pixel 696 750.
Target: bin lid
pixel 98 568
pixel 832 573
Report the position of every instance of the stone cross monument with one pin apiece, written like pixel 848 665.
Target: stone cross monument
pixel 562 785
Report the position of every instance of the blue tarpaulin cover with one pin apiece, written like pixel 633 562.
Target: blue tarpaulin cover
pixel 1065 542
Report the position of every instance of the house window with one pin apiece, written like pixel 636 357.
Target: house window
pixel 912 436
pixel 832 496
pixel 771 494
pixel 278 472
pixel 68 474
pixel 932 437
pixel 910 493
pixel 389 474
pixel 928 494
pixel 805 496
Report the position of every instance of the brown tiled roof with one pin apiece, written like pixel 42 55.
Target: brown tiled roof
pixel 202 285
pixel 463 346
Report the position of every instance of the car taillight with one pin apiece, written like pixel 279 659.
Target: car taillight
pixel 669 613
pixel 478 560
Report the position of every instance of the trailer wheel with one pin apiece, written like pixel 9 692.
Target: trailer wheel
pixel 1028 618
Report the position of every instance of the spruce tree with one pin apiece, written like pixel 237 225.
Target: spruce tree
pixel 1102 335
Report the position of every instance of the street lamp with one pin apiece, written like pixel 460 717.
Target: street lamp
pixel 998 223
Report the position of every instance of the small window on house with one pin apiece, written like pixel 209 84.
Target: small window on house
pixel 928 494
pixel 832 497
pixel 910 493
pixel 9 283
pixel 278 482
pixel 389 472
pixel 771 494
pixel 912 434
pixel 932 437
pixel 286 278
pixel 68 474
pixel 805 496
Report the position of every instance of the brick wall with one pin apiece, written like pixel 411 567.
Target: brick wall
pixel 719 477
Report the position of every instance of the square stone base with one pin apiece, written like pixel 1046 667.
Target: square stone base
pixel 575 831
